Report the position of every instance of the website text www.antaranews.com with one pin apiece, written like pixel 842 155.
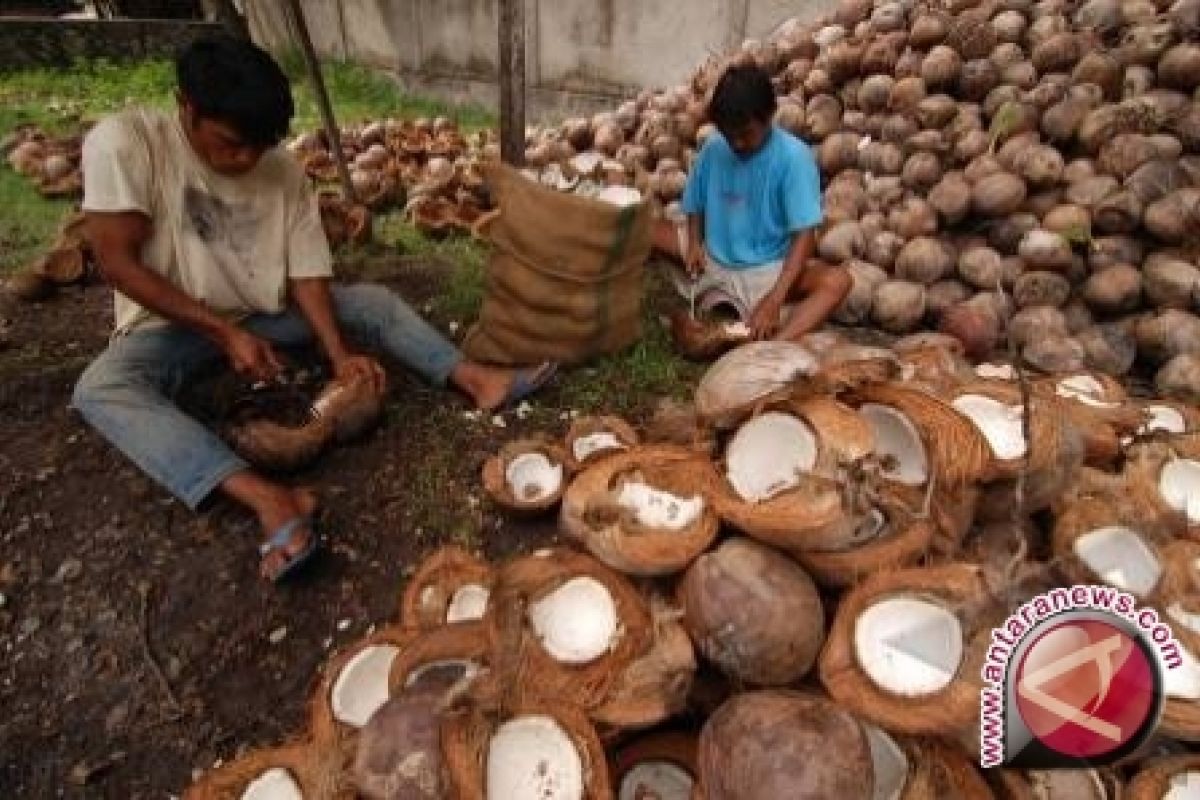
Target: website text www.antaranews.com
pixel 1008 636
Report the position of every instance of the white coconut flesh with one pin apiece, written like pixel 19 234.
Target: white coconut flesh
pixel 1183 682
pixel 909 646
pixel 996 372
pixel 532 477
pixel 656 780
pixel 468 603
pixel 585 446
pixel 577 622
pixel 620 196
pixel 1184 786
pixel 897 440
pixel 1083 389
pixel 1121 558
pixel 274 784
pixel 768 455
pixel 1179 483
pixel 889 763
pixel 585 163
pixel 362 685
pixel 1163 419
pixel 1001 424
pixel 655 508
pixel 532 758
pixel 736 329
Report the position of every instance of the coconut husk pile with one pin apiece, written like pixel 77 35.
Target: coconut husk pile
pixel 68 261
pixel 52 163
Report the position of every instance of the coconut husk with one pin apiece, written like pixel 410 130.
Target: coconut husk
pixel 352 407
pixel 1144 464
pixel 1101 426
pixel 62 265
pixel 677 748
pixel 958 453
pixel 749 376
pixel 587 426
pixel 434 217
pixel 1189 416
pixel 343 222
pixel 593 517
pixel 849 366
pixel 1087 514
pixel 457 643
pixel 701 340
pixel 67 187
pixel 655 686
pixel 496 484
pixel 934 368
pixel 326 730
pixel 29 287
pixel 274 447
pixel 1046 431
pixel 677 423
pixel 315 775
pixel 937 770
pixel 523 666
pixel 429 592
pixel 466 735
pixel 1153 779
pixel 1084 784
pixel 962 588
pixel 903 541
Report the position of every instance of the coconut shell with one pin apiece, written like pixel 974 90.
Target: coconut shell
pixel 467 732
pixel 676 748
pixel 280 448
pixel 592 516
pixel 589 425
pixel 315 774
pixel 352 407
pixel 429 592
pixel 960 587
pixel 496 484
pixel 998 195
pixel 520 661
pixel 750 375
pixel 1144 465
pixel 903 541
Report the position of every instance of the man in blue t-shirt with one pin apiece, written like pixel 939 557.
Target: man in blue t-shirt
pixel 753 202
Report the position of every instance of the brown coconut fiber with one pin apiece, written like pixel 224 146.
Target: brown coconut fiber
pixel 318 776
pixel 1153 780
pixel 964 591
pixel 590 514
pixel 427 596
pixel 1102 427
pixel 496 485
pixel 587 426
pixel 938 770
pixel 564 279
pixel 903 541
pixel 456 644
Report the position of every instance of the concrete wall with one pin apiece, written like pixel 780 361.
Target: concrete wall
pixel 580 53
pixel 57 43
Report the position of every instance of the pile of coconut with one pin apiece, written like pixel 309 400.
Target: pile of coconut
pixel 52 163
pixel 734 609
pixel 989 167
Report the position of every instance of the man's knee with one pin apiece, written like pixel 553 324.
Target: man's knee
pixel 104 382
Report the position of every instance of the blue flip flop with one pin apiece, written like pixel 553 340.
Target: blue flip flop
pixel 528 381
pixel 282 537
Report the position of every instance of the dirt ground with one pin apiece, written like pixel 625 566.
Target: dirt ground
pixel 138 643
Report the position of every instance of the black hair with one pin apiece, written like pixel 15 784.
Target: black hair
pixel 744 94
pixel 236 82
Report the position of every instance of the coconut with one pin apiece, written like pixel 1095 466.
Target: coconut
pixel 451 585
pixel 1044 250
pixel 1116 290
pixel 748 375
pixel 913 217
pixel 776 743
pixel 352 407
pixel 1165 778
pixel 842 242
pixel 942 296
pixel 864 276
pixel 898 305
pixel 292 772
pixel 276 447
pixel 1179 378
pixel 924 260
pixel 643 512
pixel 454 655
pixel 399 752
pixel 951 196
pixel 526 475
pixel 591 439
pixel 1111 349
pixel 658 765
pixel 703 340
pixel 1094 541
pixel 922 685
pixel 975 323
pixel 1166 334
pixel 1046 289
pixel 998 194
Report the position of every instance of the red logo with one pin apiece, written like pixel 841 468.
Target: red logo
pixel 1085 688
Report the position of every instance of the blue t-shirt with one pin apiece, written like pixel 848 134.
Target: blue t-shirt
pixel 752 207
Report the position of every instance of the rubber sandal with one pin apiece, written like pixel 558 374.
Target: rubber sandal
pixel 526 382
pixel 282 537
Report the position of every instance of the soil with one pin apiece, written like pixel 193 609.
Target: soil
pixel 139 643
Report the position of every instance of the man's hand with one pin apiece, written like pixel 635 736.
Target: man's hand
pixel 250 356
pixel 351 367
pixel 765 318
pixel 696 260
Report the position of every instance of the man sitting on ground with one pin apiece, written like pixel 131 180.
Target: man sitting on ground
pixel 210 235
pixel 753 202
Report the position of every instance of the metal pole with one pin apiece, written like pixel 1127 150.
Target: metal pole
pixel 318 85
pixel 512 81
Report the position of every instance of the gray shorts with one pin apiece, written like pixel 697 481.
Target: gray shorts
pixel 741 289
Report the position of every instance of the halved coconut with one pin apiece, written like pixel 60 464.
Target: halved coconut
pixel 351 406
pixel 655 686
pixel 531 749
pixel 1168 417
pixel 661 766
pixel 776 743
pixel 1057 784
pixel 896 653
pixel 889 536
pixel 1098 407
pixel 912 768
pixel 590 439
pixel 750 375
pixel 645 511
pixel 526 476
pixel 451 585
pixel 1094 540
pixel 753 612
pixel 567 624
pixel 355 685
pixel 441 657
pixel 292 772
pixel 789 475
pixel 701 340
pixel 1166 778
pixel 1164 479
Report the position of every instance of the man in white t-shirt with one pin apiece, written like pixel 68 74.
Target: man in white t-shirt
pixel 211 238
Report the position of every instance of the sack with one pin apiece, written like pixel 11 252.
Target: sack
pixel 564 278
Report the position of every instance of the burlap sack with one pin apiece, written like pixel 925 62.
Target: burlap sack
pixel 564 278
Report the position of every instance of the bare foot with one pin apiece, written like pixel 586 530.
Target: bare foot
pixel 490 387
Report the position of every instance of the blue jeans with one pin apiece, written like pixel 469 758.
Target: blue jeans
pixel 127 392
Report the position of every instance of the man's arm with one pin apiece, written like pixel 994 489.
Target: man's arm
pixel 313 298
pixel 765 318
pixel 117 239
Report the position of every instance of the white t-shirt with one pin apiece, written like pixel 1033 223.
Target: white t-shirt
pixel 230 242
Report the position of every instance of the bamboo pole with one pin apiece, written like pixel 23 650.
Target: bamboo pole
pixel 322 95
